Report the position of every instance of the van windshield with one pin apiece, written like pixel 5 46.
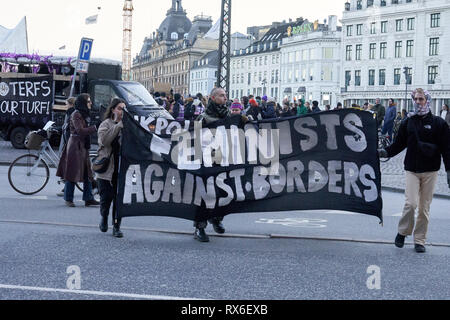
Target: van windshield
pixel 136 95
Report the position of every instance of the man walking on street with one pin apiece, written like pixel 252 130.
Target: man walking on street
pixel 389 119
pixel 427 139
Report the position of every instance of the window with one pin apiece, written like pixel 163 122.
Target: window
pixel 409 48
pixel 358 52
pixel 382 77
pixel 398 49
pixel 371 77
pixel 384 26
pixel 411 24
pixel 373 28
pixel 357 78
pixel 372 51
pixel 348 53
pixel 399 25
pixel 432 74
pixel 435 20
pixel 328 53
pixel 348 76
pixel 383 47
pixel 396 77
pixel 349 31
pixel 359 28
pixel 434 46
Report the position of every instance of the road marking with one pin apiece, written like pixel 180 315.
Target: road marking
pixel 296 222
pixel 94 293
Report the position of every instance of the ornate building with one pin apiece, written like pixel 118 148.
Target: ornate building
pixel 168 55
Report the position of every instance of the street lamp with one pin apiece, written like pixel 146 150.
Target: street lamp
pixel 264 82
pixel 406 72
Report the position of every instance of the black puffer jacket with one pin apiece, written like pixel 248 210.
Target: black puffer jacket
pixel 430 129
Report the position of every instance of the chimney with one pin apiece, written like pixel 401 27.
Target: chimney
pixel 332 23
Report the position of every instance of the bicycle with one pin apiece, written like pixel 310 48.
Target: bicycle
pixel 29 174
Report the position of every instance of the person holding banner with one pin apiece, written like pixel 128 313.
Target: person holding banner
pixel 74 165
pixel 216 110
pixel 109 147
pixel 426 138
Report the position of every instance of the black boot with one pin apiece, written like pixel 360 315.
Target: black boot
pixel 201 235
pixel 217 225
pixel 104 225
pixel 116 231
pixel 400 241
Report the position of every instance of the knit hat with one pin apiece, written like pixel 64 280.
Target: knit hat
pixel 236 105
pixel 264 98
pixel 253 103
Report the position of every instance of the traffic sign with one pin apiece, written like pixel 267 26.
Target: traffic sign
pixel 85 49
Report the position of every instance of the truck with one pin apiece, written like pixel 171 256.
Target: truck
pixel 33 90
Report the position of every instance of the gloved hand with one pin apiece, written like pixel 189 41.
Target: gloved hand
pixel 383 153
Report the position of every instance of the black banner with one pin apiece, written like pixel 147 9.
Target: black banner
pixel 27 101
pixel 315 162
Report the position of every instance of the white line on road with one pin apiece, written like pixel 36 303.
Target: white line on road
pixel 95 293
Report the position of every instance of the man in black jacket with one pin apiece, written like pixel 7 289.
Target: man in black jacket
pixel 427 139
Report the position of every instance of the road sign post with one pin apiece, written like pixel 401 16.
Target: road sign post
pixel 84 56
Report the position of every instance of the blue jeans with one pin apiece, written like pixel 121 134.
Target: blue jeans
pixel 69 190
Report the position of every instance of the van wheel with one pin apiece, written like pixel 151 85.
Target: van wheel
pixel 18 136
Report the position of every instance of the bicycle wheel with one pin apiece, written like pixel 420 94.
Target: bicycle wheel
pixel 28 176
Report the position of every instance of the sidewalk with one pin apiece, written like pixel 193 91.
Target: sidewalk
pixel 393 174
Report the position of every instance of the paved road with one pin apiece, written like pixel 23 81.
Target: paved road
pixel 290 255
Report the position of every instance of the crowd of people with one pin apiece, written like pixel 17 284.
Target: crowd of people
pixel 425 136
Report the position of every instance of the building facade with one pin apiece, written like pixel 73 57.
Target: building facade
pixel 204 74
pixel 255 70
pixel 168 55
pixel 390 47
pixel 310 62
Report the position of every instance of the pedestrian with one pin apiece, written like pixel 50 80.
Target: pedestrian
pixel 445 113
pixel 308 106
pixel 366 106
pixel 327 107
pixel 198 108
pixel 338 106
pixel 286 112
pixel 178 108
pixel 380 112
pixel 236 108
pixel 255 112
pixel 75 166
pixel 215 111
pixel 65 133
pixel 109 147
pixel 245 104
pixel 315 108
pixel 426 138
pixel 404 114
pixel 189 109
pixel 269 112
pixel 302 109
pixel 389 119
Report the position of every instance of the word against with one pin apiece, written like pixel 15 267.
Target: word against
pixel 74 280
pixel 374 281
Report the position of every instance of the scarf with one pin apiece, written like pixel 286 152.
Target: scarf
pixel 419 109
pixel 216 111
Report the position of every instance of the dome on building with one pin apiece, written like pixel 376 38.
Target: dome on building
pixel 176 24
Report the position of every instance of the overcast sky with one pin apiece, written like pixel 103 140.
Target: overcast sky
pixel 55 23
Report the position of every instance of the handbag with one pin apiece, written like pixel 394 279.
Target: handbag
pixel 426 149
pixel 101 165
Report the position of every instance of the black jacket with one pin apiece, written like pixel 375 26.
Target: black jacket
pixel 430 129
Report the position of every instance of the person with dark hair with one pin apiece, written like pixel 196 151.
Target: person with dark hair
pixel 269 110
pixel 338 106
pixel 178 108
pixel 380 112
pixel 109 146
pixel 315 108
pixel 74 165
pixel 245 104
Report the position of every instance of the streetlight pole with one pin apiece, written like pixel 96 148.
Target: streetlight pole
pixel 405 71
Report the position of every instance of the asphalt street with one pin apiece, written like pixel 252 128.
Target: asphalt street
pixel 273 256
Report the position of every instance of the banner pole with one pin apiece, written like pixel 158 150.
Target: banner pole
pixel 72 87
